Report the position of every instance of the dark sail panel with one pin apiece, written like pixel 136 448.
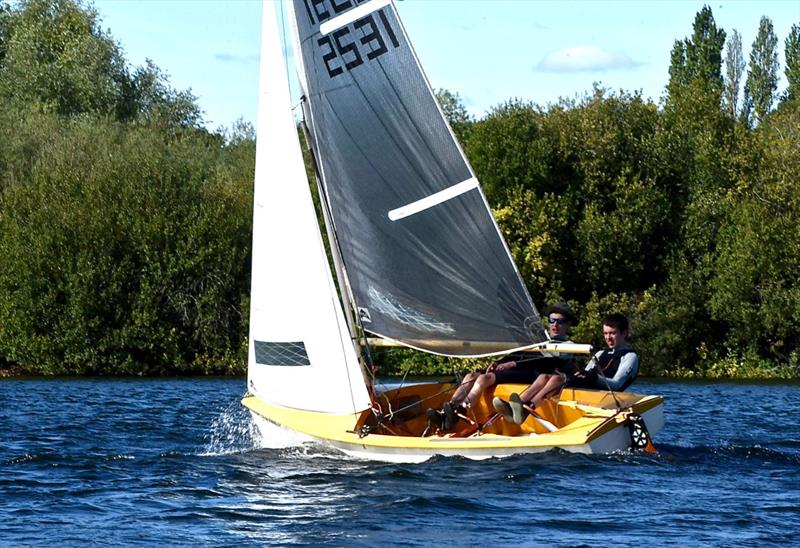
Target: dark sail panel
pixel 438 277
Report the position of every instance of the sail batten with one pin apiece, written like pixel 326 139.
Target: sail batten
pixel 351 16
pixel 433 200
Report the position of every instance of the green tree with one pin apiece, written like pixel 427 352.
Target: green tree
pixel 678 75
pixel 613 177
pixel 704 51
pixel 509 150
pixel 695 67
pixel 694 141
pixel 734 69
pixel 561 181
pixel 56 56
pixel 762 76
pixel 150 99
pixel 792 56
pixel 754 283
pixel 695 87
pixel 455 112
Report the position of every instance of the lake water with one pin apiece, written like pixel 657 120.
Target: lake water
pixel 176 462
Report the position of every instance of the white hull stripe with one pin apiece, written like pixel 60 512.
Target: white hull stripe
pixel 348 17
pixel 433 199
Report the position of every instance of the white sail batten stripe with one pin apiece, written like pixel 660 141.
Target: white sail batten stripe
pixel 434 199
pixel 356 13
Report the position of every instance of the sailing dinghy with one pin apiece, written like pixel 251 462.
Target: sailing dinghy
pixel 417 256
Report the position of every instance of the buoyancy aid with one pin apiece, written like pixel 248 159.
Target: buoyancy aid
pixel 608 364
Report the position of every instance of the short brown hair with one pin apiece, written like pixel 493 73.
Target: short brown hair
pixel 617 321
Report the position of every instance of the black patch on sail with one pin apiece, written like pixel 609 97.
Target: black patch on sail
pixel 281 353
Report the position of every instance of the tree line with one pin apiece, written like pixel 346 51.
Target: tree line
pixel 125 224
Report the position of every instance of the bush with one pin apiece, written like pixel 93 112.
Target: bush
pixel 125 251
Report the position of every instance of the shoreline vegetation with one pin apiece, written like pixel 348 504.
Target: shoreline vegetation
pixel 125 225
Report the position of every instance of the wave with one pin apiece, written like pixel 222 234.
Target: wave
pixel 232 431
pixel 731 453
pixel 235 430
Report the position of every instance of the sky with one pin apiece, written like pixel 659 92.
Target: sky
pixel 486 51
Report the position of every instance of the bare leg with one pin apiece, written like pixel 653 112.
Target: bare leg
pixel 534 388
pixel 483 382
pixel 547 385
pixel 464 388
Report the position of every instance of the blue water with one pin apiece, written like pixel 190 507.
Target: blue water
pixel 177 462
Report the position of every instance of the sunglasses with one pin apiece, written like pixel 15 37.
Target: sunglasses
pixel 559 321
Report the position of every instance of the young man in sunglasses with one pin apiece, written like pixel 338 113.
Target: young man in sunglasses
pixel 517 368
pixel 612 369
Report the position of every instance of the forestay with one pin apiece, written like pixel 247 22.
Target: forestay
pixel 425 260
pixel 301 354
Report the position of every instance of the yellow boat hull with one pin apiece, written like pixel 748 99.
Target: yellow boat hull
pixel 585 421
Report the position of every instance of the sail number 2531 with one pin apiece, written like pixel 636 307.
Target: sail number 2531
pixel 367 38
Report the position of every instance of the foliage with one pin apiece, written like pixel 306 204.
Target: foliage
pixel 754 287
pixel 560 180
pixel 455 112
pixel 399 362
pixel 124 251
pixel 703 51
pixel 619 206
pixel 149 99
pixel 792 71
pixel 697 60
pixel 55 58
pixel 734 69
pixel 5 18
pixel 509 149
pixel 125 245
pixel 762 76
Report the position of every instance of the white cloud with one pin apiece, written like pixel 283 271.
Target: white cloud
pixel 585 59
pixel 234 58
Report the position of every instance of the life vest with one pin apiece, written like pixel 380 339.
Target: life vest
pixel 608 364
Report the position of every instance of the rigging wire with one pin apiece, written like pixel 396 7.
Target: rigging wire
pixel 605 379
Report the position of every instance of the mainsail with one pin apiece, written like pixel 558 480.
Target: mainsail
pixel 301 354
pixel 424 258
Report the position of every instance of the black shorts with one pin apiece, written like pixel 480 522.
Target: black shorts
pixel 527 369
pixel 589 381
pixel 521 373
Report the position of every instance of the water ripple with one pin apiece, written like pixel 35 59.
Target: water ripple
pixel 180 462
